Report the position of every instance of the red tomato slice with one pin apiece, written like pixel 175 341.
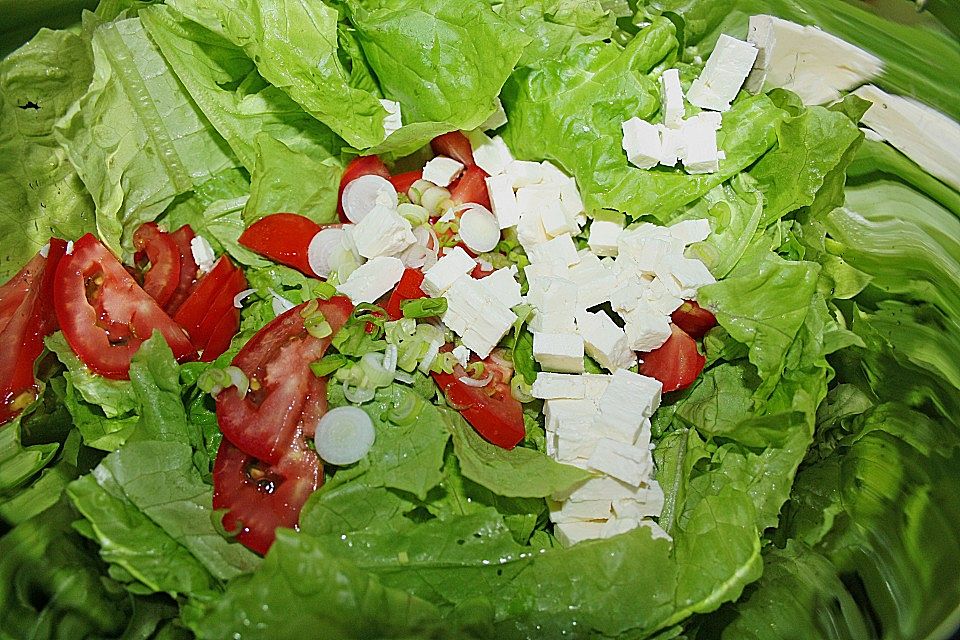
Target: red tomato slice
pixel 221 336
pixel 258 497
pixel 219 318
pixel 26 318
pixel 491 410
pixel 693 319
pixel 277 362
pixel 360 166
pixel 454 145
pixel 284 238
pixel 471 187
pixel 402 182
pixel 407 289
pixel 194 309
pixel 94 296
pixel 677 363
pixel 188 268
pixel 162 277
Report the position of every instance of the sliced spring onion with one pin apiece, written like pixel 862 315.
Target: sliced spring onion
pixel 357 395
pixel 417 189
pixel 280 304
pixel 344 435
pixel 434 198
pixel 360 196
pixel 214 380
pixel 375 374
pixel 325 251
pixel 423 307
pixel 240 297
pixel 403 376
pixel 413 213
pixel 473 382
pixel 432 350
pixel 328 364
pixel 520 390
pixel 479 229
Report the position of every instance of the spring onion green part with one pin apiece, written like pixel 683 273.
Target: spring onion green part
pixel 328 364
pixel 424 307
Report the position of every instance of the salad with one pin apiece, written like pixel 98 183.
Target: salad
pixel 534 318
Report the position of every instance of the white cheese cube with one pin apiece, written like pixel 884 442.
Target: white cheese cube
pixel 570 533
pixel 503 201
pixel 647 254
pixel 641 141
pixel 595 282
pixel 604 341
pixel 530 231
pixel 442 170
pixel 524 173
pixel 643 437
pixel 575 442
pixel 617 525
pixel 662 295
pixel 815 65
pixel 550 268
pixel 448 269
pixel 700 152
pixel 552 174
pixel 462 354
pixel 560 248
pixel 646 329
pixel 580 511
pixel 596 384
pixel 202 252
pixel 598 488
pixel 604 234
pixel 571 200
pixel 689 275
pixel 554 218
pixel 630 398
pixel 562 352
pixel 554 322
pixel 372 279
pixel 564 410
pixel 551 293
pixel 690 231
pixel 671 98
pixel 622 461
pixel 382 232
pixel 474 315
pixel 496 119
pixel 503 286
pixel 553 386
pixel 724 74
pixel 628 296
pixel 671 145
pixel 648 502
pixel 656 532
pixel 394 119
pixel 490 154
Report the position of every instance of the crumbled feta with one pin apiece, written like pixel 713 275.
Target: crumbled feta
pixel 476 316
pixel 491 154
pixel 442 170
pixel 382 232
pixel 447 270
pixel 723 75
pixel 525 173
pixel 372 279
pixel 203 254
pixel 394 119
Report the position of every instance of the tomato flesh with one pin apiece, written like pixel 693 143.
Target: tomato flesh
pixel 277 363
pixel 160 280
pixel 194 309
pixel 454 145
pixel 492 410
pixel 407 289
pixel 259 498
pixel 105 315
pixel 284 238
pixel 26 318
pixel 188 268
pixel 403 181
pixel 693 319
pixel 471 187
pixel 676 363
pixel 360 166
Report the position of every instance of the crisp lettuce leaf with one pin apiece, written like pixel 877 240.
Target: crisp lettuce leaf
pixel 135 137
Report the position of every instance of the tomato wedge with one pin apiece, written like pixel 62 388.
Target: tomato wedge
pixel 195 308
pixel 454 145
pixel 471 187
pixel 26 318
pixel 221 336
pixel 693 319
pixel 222 319
pixel 360 166
pixel 407 289
pixel 677 363
pixel 259 498
pixel 284 238
pixel 403 181
pixel 188 268
pixel 277 360
pixel 491 410
pixel 161 278
pixel 105 315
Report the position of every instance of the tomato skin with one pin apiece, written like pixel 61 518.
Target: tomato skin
pixel 194 309
pixel 255 508
pixel 693 319
pixel 162 277
pixel 471 187
pixel 360 166
pixel 26 318
pixel 676 363
pixel 222 320
pixel 105 332
pixel 407 289
pixel 284 238
pixel 221 336
pixel 454 145
pixel 403 181
pixel 277 360
pixel 492 410
pixel 188 268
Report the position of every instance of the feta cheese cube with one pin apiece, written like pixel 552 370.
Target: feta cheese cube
pixel 372 279
pixel 562 352
pixel 690 231
pixel 700 152
pixel 646 329
pixel 203 254
pixel 554 218
pixel 648 502
pixel 564 410
pixel 646 254
pixel 598 488
pixel 604 341
pixel 490 154
pixel 689 274
pixel 570 533
pixel 554 386
pixel 442 170
pixel 571 200
pixel 595 282
pixel 605 232
pixel 628 296
pixel 560 248
pixel 448 269
pixel 393 120
pixel 552 174
pixel 550 268
pixel 630 398
pixel 496 119
pixel 551 293
pixel 724 74
pixel 473 314
pixel 671 145
pixel 382 232
pixel 462 354
pixel 575 443
pixel 595 385
pixel 503 286
pixel 641 141
pixel 530 231
pixel 525 173
pixel 622 461
pixel 662 294
pixel 580 511
pixel 617 525
pixel 671 98
pixel 503 201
